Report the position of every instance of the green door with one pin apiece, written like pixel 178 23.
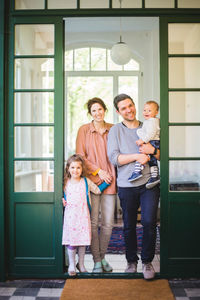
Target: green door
pixel 180 146
pixel 35 147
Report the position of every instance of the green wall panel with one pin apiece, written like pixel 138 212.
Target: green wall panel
pixel 184 224
pixel 34 230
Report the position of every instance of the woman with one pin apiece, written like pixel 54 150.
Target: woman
pixel 91 143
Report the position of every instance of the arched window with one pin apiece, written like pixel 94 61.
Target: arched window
pixel 90 72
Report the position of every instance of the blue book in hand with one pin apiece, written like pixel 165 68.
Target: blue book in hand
pixel 103 186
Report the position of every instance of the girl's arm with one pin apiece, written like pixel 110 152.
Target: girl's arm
pixel 93 187
pixel 64 202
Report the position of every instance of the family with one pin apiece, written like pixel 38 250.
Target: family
pixel 113 159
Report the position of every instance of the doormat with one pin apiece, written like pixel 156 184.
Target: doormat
pixel 117 245
pixel 116 289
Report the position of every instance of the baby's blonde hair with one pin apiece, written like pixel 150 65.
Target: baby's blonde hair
pixel 154 103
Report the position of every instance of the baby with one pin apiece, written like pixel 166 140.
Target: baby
pixel 150 132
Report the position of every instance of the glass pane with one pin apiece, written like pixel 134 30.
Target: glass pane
pixel 81 57
pixel 184 107
pixel 111 65
pixel 132 65
pixel 34 107
pixel 184 72
pixel 127 4
pixel 62 4
pixel 34 39
pixel 129 85
pixel 34 141
pixel 184 38
pixel 159 3
pixel 34 73
pixel 98 59
pixel 94 4
pixel 69 60
pixel 34 176
pixel 29 4
pixel 188 4
pixel 184 141
pixel 184 175
pixel 79 91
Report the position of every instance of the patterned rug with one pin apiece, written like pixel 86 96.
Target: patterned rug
pixel 117 246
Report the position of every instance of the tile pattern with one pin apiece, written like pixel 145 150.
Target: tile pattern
pixel 31 289
pixel 51 289
pixel 185 289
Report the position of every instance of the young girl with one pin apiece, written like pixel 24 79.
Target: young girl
pixel 77 225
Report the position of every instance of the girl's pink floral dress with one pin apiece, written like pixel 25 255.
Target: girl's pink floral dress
pixel 77 224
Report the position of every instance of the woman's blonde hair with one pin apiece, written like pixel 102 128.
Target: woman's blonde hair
pixel 73 158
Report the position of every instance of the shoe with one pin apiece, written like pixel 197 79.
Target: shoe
pixel 105 265
pixel 71 272
pixel 153 181
pixel 148 271
pixel 83 270
pixel 131 268
pixel 135 176
pixel 97 267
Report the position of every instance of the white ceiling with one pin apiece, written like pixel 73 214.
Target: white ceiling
pixel 112 24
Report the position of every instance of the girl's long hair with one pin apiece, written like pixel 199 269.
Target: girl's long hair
pixel 74 157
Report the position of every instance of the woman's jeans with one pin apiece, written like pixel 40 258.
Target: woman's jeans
pixel 130 200
pixel 105 204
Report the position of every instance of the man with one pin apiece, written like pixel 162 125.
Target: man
pixel 123 153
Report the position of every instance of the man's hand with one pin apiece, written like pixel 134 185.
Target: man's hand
pixel 143 158
pixel 139 142
pixel 149 149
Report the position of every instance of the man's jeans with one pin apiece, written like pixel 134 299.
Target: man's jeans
pixel 130 200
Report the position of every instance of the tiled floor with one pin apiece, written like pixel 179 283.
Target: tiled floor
pixel 31 289
pixel 118 262
pixel 51 289
pixel 185 289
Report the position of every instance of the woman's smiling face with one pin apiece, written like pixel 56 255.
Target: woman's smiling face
pixel 97 112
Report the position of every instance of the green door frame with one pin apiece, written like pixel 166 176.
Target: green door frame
pixel 2 208
pixel 59 83
pixel 31 267
pixel 170 264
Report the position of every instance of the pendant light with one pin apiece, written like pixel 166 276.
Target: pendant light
pixel 120 52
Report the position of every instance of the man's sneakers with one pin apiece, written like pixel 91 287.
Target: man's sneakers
pixel 131 268
pixel 135 176
pixel 153 181
pixel 148 271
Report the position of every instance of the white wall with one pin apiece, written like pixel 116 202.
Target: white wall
pixel 142 36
